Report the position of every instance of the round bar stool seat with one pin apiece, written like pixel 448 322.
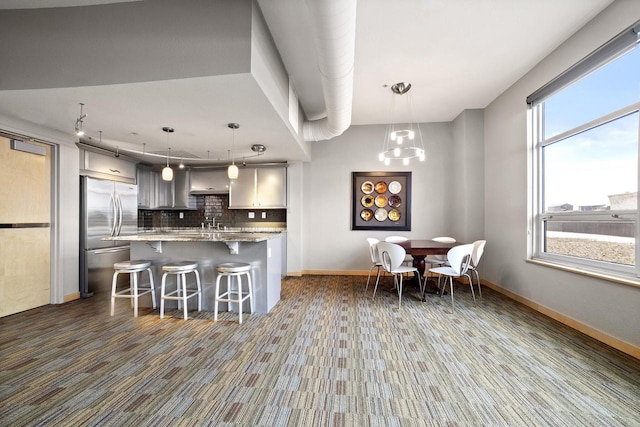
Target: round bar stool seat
pixel 182 293
pixel 133 292
pixel 233 294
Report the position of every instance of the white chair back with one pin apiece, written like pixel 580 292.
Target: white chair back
pixel 459 258
pixel 391 255
pixel 373 250
pixel 444 239
pixel 478 250
pixel 395 239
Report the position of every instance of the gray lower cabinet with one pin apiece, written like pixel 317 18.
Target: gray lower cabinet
pixel 259 188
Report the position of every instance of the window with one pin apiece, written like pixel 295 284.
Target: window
pixel 586 127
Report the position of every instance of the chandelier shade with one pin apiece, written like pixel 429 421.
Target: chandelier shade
pixel 402 141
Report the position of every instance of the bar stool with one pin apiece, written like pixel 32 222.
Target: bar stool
pixel 231 270
pixel 181 294
pixel 132 267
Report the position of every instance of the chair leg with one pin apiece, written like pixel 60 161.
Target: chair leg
pixel 162 289
pixel 250 291
pixel 135 293
pixel 400 291
pixel 479 287
pixel 113 291
pixel 369 276
pixel 376 286
pixel 215 305
pixel 153 288
pixel 199 290
pixel 184 295
pixel 473 294
pixel 451 287
pixel 239 297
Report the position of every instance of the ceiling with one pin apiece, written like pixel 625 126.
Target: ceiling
pixel 457 54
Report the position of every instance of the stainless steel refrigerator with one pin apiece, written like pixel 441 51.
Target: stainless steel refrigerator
pixel 109 208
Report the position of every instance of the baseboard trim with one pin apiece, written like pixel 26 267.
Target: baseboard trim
pixel 71 297
pixel 614 342
pixel 334 273
pixel 618 344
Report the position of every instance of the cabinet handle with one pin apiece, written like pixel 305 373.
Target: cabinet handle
pixel 115 170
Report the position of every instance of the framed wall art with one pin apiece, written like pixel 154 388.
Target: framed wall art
pixel 381 201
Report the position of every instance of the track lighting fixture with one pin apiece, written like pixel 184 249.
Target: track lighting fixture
pixel 79 121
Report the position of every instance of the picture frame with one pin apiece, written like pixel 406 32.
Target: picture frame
pixel 381 201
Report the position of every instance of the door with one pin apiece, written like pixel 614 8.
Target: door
pixel 25 214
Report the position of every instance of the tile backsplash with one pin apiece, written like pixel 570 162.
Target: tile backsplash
pixel 214 206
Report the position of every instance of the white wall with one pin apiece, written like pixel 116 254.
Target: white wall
pixel 329 242
pixel 601 305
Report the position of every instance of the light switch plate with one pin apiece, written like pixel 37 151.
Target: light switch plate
pixel 264 215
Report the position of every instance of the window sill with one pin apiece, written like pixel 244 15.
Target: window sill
pixel 604 276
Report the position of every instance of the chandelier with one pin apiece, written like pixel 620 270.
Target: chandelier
pixel 402 141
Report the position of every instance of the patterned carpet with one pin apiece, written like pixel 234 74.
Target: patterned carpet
pixel 327 355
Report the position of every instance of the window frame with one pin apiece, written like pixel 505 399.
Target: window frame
pixel 539 218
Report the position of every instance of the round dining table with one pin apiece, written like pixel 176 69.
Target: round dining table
pixel 420 249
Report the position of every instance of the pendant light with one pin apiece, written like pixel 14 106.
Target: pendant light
pixel 167 172
pixel 232 171
pixel 402 142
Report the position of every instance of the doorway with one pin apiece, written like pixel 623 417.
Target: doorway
pixel 25 231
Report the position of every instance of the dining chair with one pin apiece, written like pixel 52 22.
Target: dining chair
pixel 392 258
pixel 459 258
pixel 375 260
pixel 476 254
pixel 439 260
pixel 408 259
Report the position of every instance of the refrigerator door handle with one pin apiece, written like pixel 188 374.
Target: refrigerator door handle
pixel 112 202
pixel 119 227
pixel 109 250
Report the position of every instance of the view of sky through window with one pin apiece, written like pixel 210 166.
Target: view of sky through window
pixel 584 169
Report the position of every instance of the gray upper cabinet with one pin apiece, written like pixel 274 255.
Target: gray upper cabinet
pixel 146 186
pixel 259 188
pixel 155 193
pixel 209 181
pixel 104 166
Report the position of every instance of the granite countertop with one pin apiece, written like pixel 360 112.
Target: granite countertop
pixel 197 235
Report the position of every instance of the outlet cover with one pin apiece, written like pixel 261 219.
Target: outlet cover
pixel 252 214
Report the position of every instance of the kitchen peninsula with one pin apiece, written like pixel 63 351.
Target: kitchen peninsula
pixel 263 250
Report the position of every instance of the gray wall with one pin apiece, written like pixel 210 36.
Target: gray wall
pixel 329 243
pixel 467 198
pixel 602 305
